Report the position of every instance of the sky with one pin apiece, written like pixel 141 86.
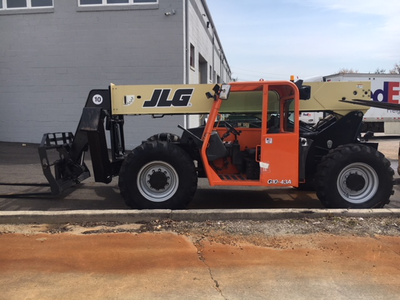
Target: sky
pixel 273 39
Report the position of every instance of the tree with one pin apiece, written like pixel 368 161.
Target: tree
pixel 347 71
pixel 396 69
pixel 380 71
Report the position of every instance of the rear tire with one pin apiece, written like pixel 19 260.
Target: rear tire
pixel 158 175
pixel 354 176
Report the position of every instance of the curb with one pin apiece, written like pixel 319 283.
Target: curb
pixel 134 216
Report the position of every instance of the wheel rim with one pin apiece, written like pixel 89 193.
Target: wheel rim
pixel 157 181
pixel 357 183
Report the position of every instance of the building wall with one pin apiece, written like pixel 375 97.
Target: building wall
pixel 210 65
pixel 208 50
pixel 51 58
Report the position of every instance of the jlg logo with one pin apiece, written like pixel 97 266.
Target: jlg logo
pixel 160 98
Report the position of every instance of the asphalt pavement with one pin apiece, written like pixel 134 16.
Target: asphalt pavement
pixel 24 191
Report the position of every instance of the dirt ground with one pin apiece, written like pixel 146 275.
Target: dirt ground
pixel 326 258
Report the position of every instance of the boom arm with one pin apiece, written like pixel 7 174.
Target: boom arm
pixel 383 105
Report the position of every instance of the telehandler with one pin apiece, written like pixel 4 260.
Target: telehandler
pixel 252 137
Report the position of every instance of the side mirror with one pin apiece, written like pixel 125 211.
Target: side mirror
pixel 224 92
pixel 305 92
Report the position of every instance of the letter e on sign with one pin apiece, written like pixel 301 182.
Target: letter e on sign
pixel 394 92
pixel 97 99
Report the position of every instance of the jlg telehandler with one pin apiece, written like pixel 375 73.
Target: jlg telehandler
pixel 252 137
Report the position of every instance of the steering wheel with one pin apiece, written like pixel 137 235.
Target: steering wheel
pixel 232 129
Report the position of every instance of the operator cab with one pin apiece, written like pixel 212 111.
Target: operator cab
pixel 254 136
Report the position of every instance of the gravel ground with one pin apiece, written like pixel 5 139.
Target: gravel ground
pixel 255 232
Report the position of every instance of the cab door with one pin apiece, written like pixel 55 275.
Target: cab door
pixel 279 148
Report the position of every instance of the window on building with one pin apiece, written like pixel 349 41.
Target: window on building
pixel 117 1
pixel 18 4
pixel 202 69
pixel 90 2
pixel 192 56
pixel 107 2
pixel 41 3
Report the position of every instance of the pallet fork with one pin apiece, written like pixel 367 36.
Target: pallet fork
pixel 70 168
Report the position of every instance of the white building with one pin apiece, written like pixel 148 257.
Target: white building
pixel 53 52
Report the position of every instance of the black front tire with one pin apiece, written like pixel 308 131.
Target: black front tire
pixel 354 176
pixel 158 175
